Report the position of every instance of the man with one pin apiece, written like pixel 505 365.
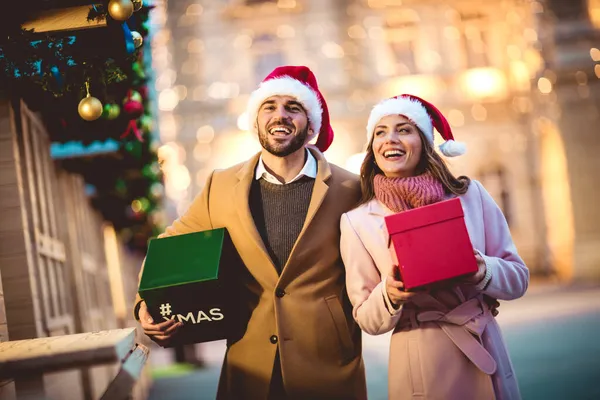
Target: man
pixel 282 209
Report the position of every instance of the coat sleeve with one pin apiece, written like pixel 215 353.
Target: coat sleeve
pixel 366 289
pixel 509 275
pixel 195 219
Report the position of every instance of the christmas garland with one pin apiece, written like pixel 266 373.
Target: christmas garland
pixel 57 64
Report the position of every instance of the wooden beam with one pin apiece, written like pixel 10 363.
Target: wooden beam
pixel 63 19
pixel 21 358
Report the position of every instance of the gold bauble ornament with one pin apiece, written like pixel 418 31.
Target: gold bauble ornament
pixel 120 10
pixel 137 4
pixel 138 40
pixel 90 108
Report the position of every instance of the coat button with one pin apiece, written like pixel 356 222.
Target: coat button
pixel 273 339
pixel 279 292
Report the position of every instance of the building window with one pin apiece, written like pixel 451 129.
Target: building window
pixel 475 40
pixel 401 35
pixel 267 55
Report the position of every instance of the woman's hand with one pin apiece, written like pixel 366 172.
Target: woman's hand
pixel 478 276
pixel 395 288
pixel 160 333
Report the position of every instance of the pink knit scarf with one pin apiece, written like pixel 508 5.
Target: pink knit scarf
pixel 400 194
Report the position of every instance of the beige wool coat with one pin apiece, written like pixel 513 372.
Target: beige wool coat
pixel 319 342
pixel 446 345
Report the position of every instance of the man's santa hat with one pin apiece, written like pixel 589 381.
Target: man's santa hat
pixel 423 114
pixel 300 83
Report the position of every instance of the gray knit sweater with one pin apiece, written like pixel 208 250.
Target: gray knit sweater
pixel 279 212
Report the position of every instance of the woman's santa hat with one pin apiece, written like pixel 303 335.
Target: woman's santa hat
pixel 300 83
pixel 423 114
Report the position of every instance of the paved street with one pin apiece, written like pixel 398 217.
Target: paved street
pixel 552 335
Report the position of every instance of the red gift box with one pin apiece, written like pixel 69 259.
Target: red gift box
pixel 431 243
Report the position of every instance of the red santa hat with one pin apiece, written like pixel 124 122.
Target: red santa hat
pixel 300 83
pixel 423 114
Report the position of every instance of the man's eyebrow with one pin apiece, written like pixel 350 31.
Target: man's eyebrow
pixel 294 103
pixel 267 102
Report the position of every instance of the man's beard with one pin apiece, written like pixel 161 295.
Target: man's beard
pixel 282 150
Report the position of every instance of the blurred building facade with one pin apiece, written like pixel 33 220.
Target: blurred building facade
pixel 516 79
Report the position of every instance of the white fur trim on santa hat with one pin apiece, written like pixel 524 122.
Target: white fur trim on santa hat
pixel 410 108
pixel 287 86
pixel 450 148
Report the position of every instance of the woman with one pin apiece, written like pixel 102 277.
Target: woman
pixel 446 343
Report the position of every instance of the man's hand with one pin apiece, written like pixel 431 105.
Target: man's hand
pixel 160 333
pixel 478 276
pixel 395 288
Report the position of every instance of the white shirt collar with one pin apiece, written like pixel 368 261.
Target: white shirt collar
pixel 309 170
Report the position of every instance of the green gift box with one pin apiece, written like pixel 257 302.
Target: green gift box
pixel 189 278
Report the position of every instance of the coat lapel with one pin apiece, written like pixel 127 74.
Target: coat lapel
pixel 319 191
pixel 374 207
pixel 242 206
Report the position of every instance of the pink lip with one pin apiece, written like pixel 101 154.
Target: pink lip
pixel 393 158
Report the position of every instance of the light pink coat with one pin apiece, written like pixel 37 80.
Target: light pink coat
pixel 446 344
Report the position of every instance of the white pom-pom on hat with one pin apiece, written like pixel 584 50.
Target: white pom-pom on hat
pixel 450 148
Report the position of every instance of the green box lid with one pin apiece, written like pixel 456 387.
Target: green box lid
pixel 181 259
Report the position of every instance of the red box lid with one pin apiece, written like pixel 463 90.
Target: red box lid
pixel 423 216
